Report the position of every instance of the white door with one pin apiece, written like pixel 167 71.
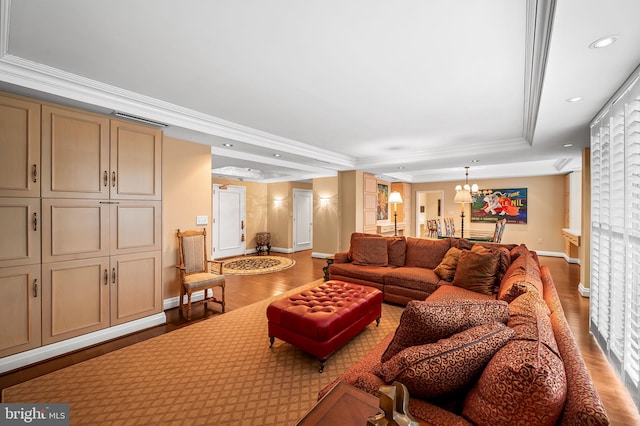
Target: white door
pixel 302 219
pixel 229 225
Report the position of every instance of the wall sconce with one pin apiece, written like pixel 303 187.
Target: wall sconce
pixel 277 202
pixel 324 201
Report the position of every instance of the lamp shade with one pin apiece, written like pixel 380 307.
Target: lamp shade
pixel 463 196
pixel 395 198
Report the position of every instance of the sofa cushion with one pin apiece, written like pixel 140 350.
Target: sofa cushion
pixel 476 270
pixel 448 365
pixel 422 253
pixel 422 279
pixel 517 251
pixel 522 276
pixel 447 268
pixel 529 319
pixel 524 381
pixel 396 250
pixel 367 273
pixel 427 322
pixel 369 252
pixel 455 293
pixel 355 235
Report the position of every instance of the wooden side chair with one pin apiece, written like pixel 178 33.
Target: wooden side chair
pixel 195 270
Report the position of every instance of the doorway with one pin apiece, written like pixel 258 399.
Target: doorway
pixel 229 221
pixel 429 206
pixel 302 219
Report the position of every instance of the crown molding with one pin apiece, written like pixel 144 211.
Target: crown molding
pixel 540 14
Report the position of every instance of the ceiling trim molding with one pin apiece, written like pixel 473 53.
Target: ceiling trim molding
pixel 540 14
pixel 229 153
pixel 31 75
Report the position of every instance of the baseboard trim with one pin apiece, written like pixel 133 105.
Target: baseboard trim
pixel 42 353
pixel 584 291
pixel 320 255
pixel 558 254
pixel 282 250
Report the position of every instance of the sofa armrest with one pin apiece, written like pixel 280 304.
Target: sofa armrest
pixel 342 257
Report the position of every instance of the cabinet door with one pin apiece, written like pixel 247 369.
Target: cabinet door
pixel 135 162
pixel 21 309
pixel 75 154
pixel 135 226
pixel 75 298
pixel 19 148
pixel 135 286
pixel 74 229
pixel 20 230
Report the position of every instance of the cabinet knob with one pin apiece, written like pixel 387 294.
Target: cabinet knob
pixel 106 178
pixel 113 179
pixel 35 221
pixel 35 288
pixel 35 173
pixel 106 277
pixel 113 275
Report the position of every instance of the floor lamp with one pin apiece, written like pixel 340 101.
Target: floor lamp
pixel 395 198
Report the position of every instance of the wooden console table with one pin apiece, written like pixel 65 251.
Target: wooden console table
pixel 342 405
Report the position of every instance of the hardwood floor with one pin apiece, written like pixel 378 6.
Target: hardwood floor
pixel 244 290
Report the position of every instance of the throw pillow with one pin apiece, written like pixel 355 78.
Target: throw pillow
pixel 369 251
pixel 529 319
pixel 396 249
pixel 523 382
pixel 476 271
pixel 447 268
pixel 516 252
pixel 355 235
pixel 423 253
pixel 427 322
pixel 448 365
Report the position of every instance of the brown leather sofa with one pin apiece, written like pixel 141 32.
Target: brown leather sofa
pixel 481 355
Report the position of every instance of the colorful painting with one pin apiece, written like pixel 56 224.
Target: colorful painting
pixel 382 211
pixel 491 205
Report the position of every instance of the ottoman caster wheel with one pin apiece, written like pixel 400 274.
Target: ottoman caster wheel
pixel 271 340
pixel 321 366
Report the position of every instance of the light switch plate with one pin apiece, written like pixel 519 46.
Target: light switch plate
pixel 202 220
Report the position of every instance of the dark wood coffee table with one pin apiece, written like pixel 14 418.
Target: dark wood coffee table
pixel 343 405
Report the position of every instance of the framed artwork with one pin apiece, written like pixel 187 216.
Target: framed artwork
pixel 491 205
pixel 382 210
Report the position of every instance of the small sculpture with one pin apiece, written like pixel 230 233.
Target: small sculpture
pixel 394 402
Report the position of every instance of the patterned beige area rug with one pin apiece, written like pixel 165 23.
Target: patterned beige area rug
pixel 219 371
pixel 252 265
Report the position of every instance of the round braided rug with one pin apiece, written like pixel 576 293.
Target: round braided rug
pixel 252 265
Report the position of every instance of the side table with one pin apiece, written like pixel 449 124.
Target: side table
pixel 330 260
pixel 343 405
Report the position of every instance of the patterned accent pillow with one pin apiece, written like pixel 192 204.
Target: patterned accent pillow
pixel 355 235
pixel 423 253
pixel 522 276
pixel 524 381
pixel 476 270
pixel 529 318
pixel 448 365
pixel 427 322
pixel 447 268
pixel 396 250
pixel 369 251
pixel 516 252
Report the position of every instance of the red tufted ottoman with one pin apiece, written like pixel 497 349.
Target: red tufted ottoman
pixel 322 319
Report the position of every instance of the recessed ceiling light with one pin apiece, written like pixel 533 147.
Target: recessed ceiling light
pixel 401 167
pixel 475 161
pixel 604 41
pixel 276 155
pixel 576 99
pixel 228 145
pixel 567 145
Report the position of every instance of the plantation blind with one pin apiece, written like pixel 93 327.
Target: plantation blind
pixel 615 235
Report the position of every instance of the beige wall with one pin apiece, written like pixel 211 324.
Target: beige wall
pixel 280 217
pixel 186 193
pixel 545 219
pixel 326 219
pixel 256 207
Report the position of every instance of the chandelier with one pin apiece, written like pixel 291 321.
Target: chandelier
pixel 463 192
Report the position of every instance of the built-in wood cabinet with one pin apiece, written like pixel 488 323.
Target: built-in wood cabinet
pixel 20 223
pixel 81 225
pixel 19 147
pixel 370 203
pixel 20 316
pixel 89 156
